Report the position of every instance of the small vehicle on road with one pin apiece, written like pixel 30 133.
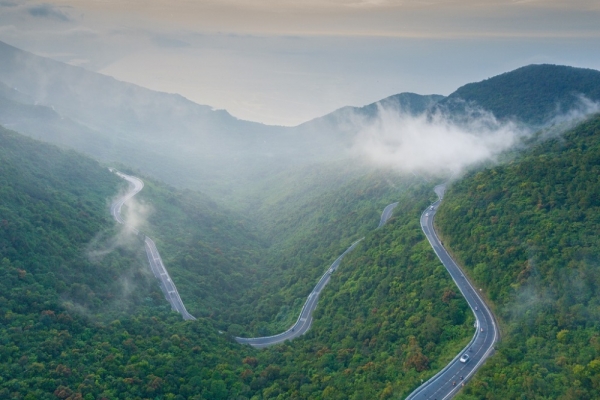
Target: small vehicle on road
pixel 464 358
pixel 427 214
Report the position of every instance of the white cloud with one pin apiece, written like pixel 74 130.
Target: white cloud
pixel 433 144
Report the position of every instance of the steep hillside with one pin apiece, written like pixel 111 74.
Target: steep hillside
pixel 533 94
pixel 57 202
pixel 212 254
pixel 345 123
pixel 105 104
pixel 389 317
pixel 527 232
pixel 161 134
pixel 22 114
pixel 53 207
pixel 316 214
pixel 66 289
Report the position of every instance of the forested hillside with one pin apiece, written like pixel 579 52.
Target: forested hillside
pixel 527 232
pixel 252 277
pixel 533 94
pixel 53 204
pixel 83 318
pixel 81 315
pixel 212 254
pixel 390 317
pixel 316 214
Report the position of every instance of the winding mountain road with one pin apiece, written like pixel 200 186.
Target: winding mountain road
pixel 156 263
pixel 446 383
pixel 386 214
pixel 304 320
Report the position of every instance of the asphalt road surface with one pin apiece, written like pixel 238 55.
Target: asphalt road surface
pixel 386 214
pixel 446 383
pixel 156 263
pixel 305 318
pixel 135 186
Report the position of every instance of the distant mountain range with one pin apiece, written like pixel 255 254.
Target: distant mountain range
pixel 164 134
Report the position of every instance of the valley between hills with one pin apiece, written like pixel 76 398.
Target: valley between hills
pixel 248 218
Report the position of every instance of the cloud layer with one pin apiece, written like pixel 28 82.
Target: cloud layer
pixel 433 144
pixel 438 144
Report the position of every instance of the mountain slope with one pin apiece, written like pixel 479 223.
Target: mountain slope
pixel 533 94
pixel 317 212
pixel 347 121
pixel 64 333
pixel 53 204
pixel 213 255
pixel 527 232
pixel 81 316
pixel 157 132
pixel 389 317
pixel 163 134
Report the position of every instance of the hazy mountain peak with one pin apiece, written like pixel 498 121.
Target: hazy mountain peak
pixel 532 94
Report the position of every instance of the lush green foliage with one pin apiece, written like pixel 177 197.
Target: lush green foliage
pixel 533 94
pixel 309 222
pixel 52 203
pixel 254 281
pixel 67 293
pixel 528 233
pixel 82 317
pixel 211 254
pixel 390 317
pixel 69 329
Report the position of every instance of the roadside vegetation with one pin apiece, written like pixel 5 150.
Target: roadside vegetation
pixel 527 232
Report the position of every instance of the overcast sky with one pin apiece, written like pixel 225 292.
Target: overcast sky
pixel 285 62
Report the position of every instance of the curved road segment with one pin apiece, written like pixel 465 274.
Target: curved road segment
pixel 449 380
pixel 305 319
pixel 156 263
pixel 386 214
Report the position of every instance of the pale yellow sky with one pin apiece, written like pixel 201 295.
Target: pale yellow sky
pixel 287 61
pixel 404 18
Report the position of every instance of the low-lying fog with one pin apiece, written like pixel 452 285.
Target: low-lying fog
pixel 437 144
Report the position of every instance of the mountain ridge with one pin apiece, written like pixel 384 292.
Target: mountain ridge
pixel 532 94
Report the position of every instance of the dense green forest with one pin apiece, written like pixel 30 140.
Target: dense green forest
pixel 308 229
pixel 55 227
pixel 390 316
pixel 82 317
pixel 252 274
pixel 212 254
pixel 527 232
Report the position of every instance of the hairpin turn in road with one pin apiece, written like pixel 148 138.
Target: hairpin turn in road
pixel 156 263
